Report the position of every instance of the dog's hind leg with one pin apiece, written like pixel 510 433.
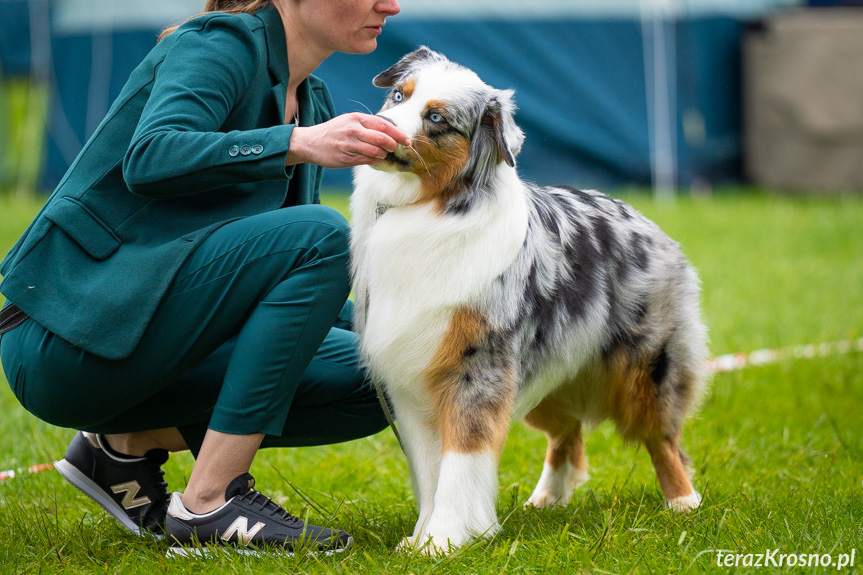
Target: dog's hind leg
pixel 651 396
pixel 565 466
pixel 673 475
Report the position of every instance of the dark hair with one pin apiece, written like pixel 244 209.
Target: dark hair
pixel 229 6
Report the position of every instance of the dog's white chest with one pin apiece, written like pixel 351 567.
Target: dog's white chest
pixel 417 266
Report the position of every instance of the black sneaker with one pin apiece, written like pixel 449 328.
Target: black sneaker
pixel 132 489
pixel 248 523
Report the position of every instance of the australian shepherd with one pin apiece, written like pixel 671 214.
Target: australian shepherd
pixel 482 298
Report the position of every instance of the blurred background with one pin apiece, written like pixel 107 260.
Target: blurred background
pixel 749 112
pixel 666 94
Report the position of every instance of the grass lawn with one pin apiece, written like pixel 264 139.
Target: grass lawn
pixel 778 449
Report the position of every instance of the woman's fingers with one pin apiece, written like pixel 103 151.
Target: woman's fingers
pixel 380 125
pixel 345 141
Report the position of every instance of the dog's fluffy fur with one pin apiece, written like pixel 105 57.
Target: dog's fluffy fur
pixel 481 298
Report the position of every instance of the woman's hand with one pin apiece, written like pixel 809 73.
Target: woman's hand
pixel 345 141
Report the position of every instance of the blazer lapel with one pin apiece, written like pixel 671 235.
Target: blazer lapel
pixel 280 91
pixel 304 172
pixel 277 55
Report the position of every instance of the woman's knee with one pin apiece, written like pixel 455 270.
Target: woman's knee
pixel 326 235
pixel 331 230
pixel 325 223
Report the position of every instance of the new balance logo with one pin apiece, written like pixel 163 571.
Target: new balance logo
pixel 131 489
pixel 240 526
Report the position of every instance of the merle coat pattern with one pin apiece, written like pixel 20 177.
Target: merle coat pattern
pixel 482 298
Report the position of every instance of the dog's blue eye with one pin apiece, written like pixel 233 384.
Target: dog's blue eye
pixel 397 97
pixel 436 118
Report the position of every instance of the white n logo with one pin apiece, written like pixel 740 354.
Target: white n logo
pixel 240 526
pixel 131 488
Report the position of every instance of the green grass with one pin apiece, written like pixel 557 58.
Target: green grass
pixel 778 449
pixel 23 113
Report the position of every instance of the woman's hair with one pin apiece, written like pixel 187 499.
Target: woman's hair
pixel 229 6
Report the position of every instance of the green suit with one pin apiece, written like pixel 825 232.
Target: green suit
pixel 167 283
pixel 194 140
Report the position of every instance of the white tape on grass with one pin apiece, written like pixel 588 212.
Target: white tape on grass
pixel 12 473
pixel 735 361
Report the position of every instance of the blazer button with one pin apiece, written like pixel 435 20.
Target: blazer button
pixel 233 150
pixel 257 149
pixel 246 150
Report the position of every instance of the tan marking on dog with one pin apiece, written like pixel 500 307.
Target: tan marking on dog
pixel 467 428
pixel 633 397
pixel 554 416
pixel 670 469
pixel 408 88
pixel 638 413
pixel 443 156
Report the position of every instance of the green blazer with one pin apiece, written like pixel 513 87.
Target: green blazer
pixel 195 140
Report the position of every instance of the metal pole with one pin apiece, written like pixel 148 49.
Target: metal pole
pixel 657 25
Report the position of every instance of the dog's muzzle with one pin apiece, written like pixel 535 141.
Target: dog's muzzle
pixel 387 119
pixel 394 159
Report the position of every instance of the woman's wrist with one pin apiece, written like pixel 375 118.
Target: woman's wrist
pixel 297 149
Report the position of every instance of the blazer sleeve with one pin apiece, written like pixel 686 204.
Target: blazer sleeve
pixel 177 148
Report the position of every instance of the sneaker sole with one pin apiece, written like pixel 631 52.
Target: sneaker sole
pixel 222 550
pixel 89 488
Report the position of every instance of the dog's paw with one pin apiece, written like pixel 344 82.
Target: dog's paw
pixel 437 549
pixel 426 546
pixel 441 545
pixel 685 503
pixel 556 489
pixel 542 499
pixel 440 542
pixel 406 545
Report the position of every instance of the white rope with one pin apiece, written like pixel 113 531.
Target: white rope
pixel 735 361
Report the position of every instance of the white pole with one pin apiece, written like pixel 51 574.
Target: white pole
pixel 657 25
pixel 101 64
pixel 29 171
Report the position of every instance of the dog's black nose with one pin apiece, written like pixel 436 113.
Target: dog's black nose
pixel 385 118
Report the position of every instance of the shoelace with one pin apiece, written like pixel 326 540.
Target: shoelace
pixel 158 475
pixel 253 496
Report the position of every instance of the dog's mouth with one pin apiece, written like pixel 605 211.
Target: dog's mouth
pixel 395 160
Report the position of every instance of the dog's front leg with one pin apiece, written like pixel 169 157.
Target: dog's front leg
pixel 465 501
pixel 423 450
pixel 473 421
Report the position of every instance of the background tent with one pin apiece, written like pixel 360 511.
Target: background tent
pixel 583 73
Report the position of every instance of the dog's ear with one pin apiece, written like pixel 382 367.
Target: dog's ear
pixel 499 119
pixel 389 77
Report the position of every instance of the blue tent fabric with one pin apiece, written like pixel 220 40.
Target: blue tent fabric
pixel 86 82
pixel 14 37
pixel 709 83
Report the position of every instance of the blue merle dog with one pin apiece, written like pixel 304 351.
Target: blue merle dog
pixel 482 298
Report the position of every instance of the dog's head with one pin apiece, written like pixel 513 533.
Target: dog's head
pixel 461 129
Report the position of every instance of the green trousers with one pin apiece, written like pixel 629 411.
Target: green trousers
pixel 253 337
